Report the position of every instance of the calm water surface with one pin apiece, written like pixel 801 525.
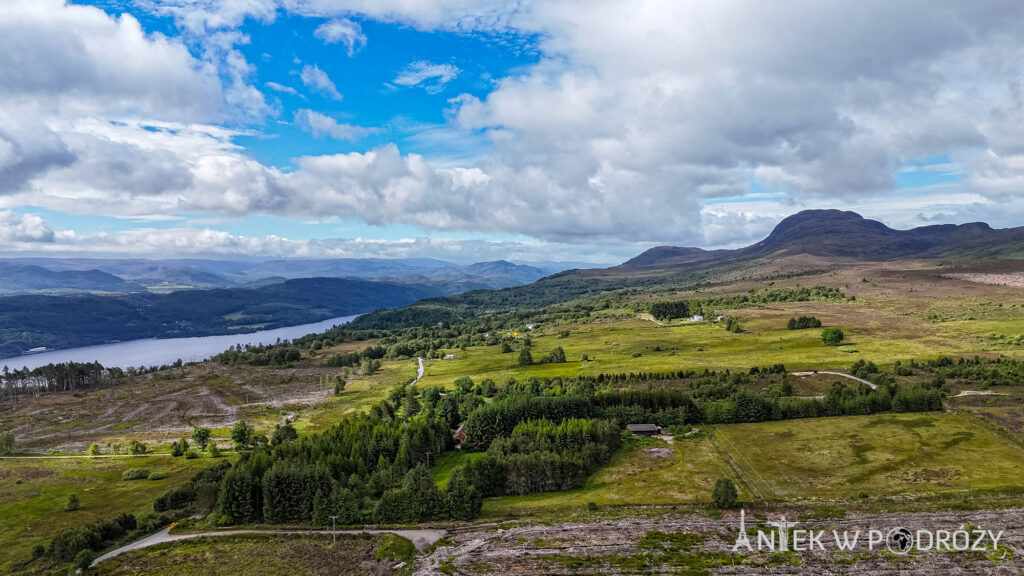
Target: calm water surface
pixel 154 352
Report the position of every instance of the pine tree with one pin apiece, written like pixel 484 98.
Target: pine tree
pixel 462 500
pixel 323 509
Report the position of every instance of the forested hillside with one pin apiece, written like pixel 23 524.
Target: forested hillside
pixel 78 320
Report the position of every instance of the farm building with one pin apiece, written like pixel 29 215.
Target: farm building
pixel 460 434
pixel 643 429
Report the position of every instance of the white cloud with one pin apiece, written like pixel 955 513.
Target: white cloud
pixel 29 234
pixel 28 228
pixel 344 31
pixel 282 88
pixel 431 77
pixel 200 16
pixel 316 79
pixel 636 116
pixel 62 63
pixel 321 125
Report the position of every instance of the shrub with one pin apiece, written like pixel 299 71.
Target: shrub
pixel 136 447
pixel 394 547
pixel 135 474
pixel 242 435
pixel 6 443
pixel 179 448
pixel 73 503
pixel 832 336
pixel 157 475
pixel 94 449
pixel 83 560
pixel 724 494
pixel 557 356
pixel 803 322
pixel 37 551
pixel 669 310
pixel 525 358
pixel 191 455
pixel 94 537
pixel 201 436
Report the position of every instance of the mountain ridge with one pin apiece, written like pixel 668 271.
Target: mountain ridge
pixel 845 234
pixel 823 233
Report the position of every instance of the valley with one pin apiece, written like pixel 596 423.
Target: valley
pixel 915 413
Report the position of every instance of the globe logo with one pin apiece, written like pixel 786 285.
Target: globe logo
pixel 899 540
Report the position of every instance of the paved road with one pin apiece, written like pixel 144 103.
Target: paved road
pixel 844 375
pixel 422 539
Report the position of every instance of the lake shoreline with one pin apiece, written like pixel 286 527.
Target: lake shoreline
pixel 148 352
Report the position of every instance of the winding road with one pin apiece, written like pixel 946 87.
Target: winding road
pixel 422 539
pixel 419 371
pixel 844 375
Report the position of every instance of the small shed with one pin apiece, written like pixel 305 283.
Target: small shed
pixel 643 429
pixel 460 434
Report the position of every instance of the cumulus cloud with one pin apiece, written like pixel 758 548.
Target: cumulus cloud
pixel 27 228
pixel 61 63
pixel 344 31
pixel 321 125
pixel 316 79
pixel 431 77
pixel 636 123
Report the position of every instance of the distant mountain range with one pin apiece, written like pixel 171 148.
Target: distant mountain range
pixel 16 278
pixel 69 302
pixel 241 296
pixel 832 234
pixel 65 321
pixel 839 234
pixel 75 275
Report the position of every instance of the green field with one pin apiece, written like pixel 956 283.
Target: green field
pixel 802 461
pixel 359 394
pixel 681 473
pixel 442 469
pixel 634 345
pixel 34 492
pixel 250 554
pixel 886 455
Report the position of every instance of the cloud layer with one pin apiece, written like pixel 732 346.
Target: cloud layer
pixel 645 122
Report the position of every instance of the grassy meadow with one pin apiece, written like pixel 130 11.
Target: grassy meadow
pixel 885 455
pixel 900 318
pixel 34 493
pixel 854 461
pixel 645 471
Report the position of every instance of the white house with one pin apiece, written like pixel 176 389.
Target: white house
pixel 696 318
pixel 449 357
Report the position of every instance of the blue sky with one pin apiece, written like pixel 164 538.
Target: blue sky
pixel 475 130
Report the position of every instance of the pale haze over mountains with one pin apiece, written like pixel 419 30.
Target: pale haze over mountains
pixel 69 275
